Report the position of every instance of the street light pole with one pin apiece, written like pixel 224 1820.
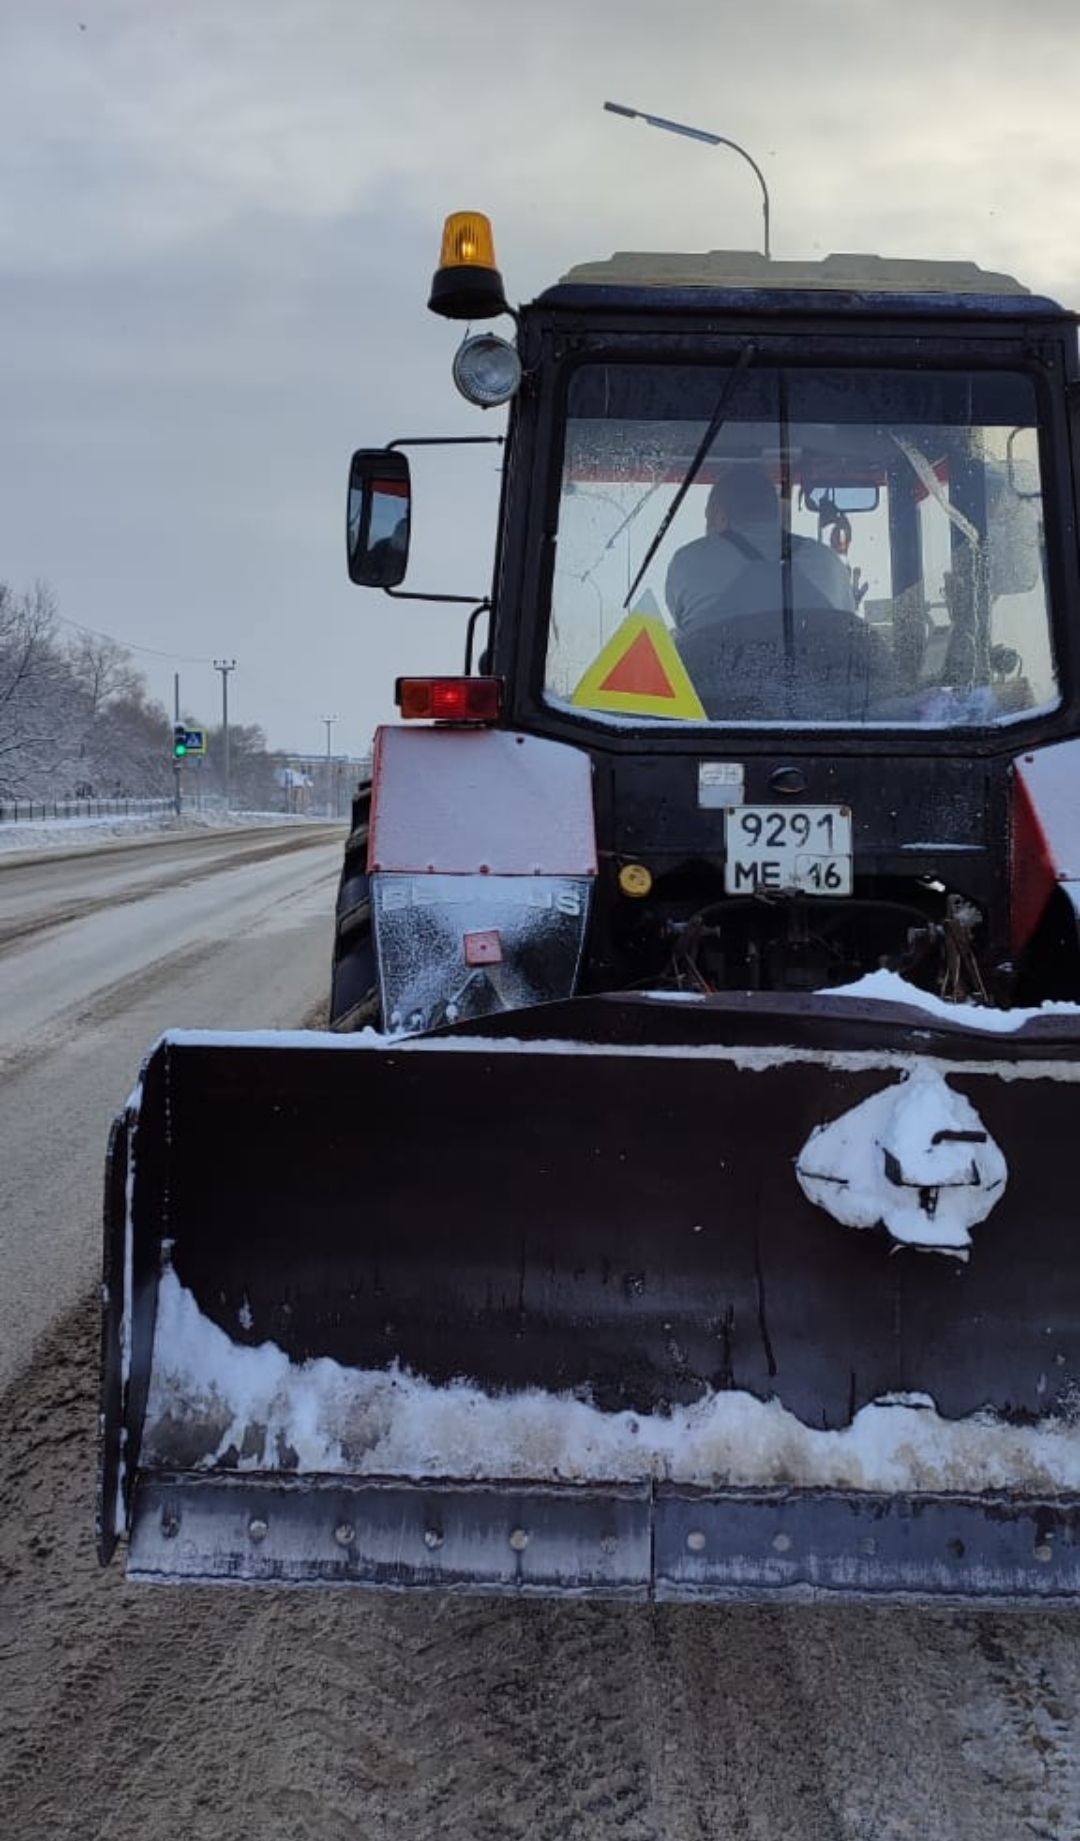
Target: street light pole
pixel 177 799
pixel 225 665
pixel 329 721
pixel 713 140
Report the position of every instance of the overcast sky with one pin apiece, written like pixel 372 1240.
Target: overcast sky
pixel 219 220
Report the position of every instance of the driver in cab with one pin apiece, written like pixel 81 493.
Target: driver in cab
pixel 737 567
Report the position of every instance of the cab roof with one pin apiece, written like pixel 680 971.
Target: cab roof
pixel 744 279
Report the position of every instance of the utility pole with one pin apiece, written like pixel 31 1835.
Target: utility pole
pixel 176 763
pixel 329 721
pixel 225 665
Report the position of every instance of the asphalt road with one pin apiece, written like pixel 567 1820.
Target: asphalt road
pixel 156 1714
pixel 99 952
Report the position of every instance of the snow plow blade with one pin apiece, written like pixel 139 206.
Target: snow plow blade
pixel 746 1297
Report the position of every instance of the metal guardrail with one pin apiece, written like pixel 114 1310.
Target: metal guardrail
pixel 25 811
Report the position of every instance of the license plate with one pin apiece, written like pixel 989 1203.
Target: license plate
pixel 798 848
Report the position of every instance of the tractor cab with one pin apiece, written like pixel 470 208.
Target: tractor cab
pixel 817 500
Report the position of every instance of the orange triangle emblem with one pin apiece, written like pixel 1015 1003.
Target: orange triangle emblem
pixel 639 673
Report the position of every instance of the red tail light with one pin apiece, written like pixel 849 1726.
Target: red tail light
pixel 449 699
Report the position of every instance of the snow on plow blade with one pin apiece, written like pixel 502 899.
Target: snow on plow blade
pixel 722 1299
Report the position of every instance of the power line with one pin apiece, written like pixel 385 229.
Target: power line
pixel 182 658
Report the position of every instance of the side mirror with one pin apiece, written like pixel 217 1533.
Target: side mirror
pixel 377 534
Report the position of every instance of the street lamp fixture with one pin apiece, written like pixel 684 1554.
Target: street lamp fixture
pixel 712 140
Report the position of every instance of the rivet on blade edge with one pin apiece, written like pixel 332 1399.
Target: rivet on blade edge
pixel 257 1529
pixel 344 1534
pixel 1044 1552
pixel 781 1543
pixel 432 1538
pixel 695 1540
pixel 519 1540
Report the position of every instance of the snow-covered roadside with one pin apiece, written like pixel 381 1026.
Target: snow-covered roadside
pixel 212 1396
pixel 19 835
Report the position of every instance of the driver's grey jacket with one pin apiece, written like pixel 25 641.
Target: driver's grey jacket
pixel 717 577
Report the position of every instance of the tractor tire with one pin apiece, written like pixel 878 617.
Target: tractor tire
pixel 354 989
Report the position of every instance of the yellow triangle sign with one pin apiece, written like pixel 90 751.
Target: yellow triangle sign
pixel 639 673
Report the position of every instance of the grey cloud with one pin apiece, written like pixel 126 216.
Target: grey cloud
pixel 181 469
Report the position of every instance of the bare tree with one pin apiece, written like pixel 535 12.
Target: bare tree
pixel 252 770
pixel 103 671
pixel 34 689
pixel 76 718
pixel 129 751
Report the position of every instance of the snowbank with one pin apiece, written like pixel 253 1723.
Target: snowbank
pixel 45 834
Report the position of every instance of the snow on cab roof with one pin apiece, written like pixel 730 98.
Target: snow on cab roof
pixel 742 281
pixel 742 268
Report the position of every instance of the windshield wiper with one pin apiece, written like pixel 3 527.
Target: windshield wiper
pixel 707 439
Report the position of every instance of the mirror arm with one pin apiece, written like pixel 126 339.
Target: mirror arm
pixel 405 594
pixel 470 634
pixel 445 441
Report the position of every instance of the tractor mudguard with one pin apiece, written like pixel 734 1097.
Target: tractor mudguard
pixel 1046 835
pixel 481 862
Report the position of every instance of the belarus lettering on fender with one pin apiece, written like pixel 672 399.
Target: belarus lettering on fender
pixel 404 892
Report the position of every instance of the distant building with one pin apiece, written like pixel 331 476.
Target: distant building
pixel 297 786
